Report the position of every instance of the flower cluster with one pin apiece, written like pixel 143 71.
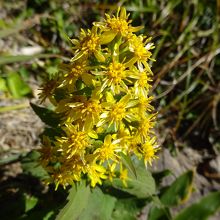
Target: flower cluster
pixel 103 99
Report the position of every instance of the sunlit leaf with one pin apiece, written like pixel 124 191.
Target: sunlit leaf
pixel 141 186
pixel 100 206
pixel 201 210
pixel 179 191
pixel 126 160
pixel 17 87
pixel 77 201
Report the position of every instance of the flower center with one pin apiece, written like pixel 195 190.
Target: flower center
pixel 118 112
pixel 118 25
pixel 90 43
pixel 92 107
pixel 116 72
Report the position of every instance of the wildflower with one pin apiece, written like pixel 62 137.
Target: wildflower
pixel 75 141
pixel 141 47
pixel 115 77
pixel 111 171
pixel 102 98
pixel 88 43
pixel 96 173
pixel 75 71
pixel 124 176
pixel 108 150
pixel 144 127
pixel 118 24
pixel 48 88
pixel 141 85
pixel 116 112
pixel 144 107
pixel 47 152
pixel 148 150
pixel 88 111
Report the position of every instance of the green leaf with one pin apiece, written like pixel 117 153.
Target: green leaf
pixel 3 86
pixel 179 191
pixel 30 165
pixel 142 187
pixel 127 209
pixel 206 207
pixel 30 202
pixel 17 87
pixel 126 160
pixel 156 213
pixel 100 206
pixel 47 116
pixel 77 202
pixel 22 58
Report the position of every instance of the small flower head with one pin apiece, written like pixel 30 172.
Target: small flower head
pixel 88 43
pixel 119 24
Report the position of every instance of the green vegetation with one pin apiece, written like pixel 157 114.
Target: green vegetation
pixel 186 87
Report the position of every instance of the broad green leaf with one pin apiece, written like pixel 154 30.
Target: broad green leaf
pixel 77 201
pixel 17 87
pixel 156 213
pixel 127 209
pixel 47 116
pixel 142 187
pixel 100 206
pixel 179 191
pixel 201 210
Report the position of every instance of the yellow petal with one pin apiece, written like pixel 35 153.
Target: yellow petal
pixel 123 13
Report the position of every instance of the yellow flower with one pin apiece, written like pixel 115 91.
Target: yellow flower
pixel 144 106
pixel 124 176
pixel 108 151
pixel 140 47
pixel 145 127
pixel 148 150
pixel 48 88
pixel 62 178
pixel 88 43
pixel 102 101
pixel 77 70
pixel 47 151
pixel 111 171
pixel 116 112
pixel 114 25
pixel 96 173
pixel 75 142
pixel 75 165
pixel 142 86
pixel 87 111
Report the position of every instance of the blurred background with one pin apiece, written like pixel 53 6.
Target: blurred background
pixel 34 41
